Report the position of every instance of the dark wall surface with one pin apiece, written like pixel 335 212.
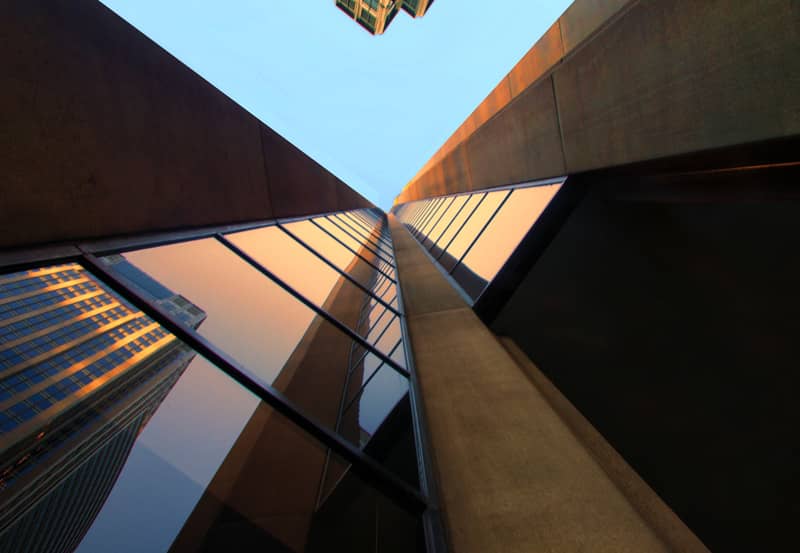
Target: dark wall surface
pixel 102 133
pixel 666 309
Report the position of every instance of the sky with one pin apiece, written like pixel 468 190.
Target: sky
pixel 371 109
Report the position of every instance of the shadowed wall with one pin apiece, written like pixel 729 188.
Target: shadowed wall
pixel 666 310
pixel 104 133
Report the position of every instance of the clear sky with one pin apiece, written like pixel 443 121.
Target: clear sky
pixel 372 110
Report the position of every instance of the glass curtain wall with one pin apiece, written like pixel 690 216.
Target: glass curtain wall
pixel 241 390
pixel 472 235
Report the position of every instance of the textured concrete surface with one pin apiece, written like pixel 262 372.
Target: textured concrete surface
pixel 512 475
pixel 632 81
pixel 104 133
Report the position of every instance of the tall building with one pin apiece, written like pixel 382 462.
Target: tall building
pixel 576 330
pixel 82 372
pixel 376 15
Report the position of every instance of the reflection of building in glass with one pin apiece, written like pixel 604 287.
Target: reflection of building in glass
pixel 82 372
pixel 376 15
pixel 656 292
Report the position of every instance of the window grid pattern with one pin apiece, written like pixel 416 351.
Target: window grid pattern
pixel 29 325
pixel 55 300
pixel 472 235
pixel 27 409
pixel 46 299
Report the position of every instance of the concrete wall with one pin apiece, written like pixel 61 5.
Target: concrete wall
pixel 104 133
pixel 622 81
pixel 665 310
pixel 512 475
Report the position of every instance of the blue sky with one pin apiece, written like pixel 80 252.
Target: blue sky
pixel 372 110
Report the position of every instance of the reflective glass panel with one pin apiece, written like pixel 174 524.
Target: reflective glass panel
pixel 372 237
pixel 502 236
pixel 438 214
pixel 359 245
pixel 370 407
pixel 430 216
pixel 118 437
pixel 303 271
pixel 458 221
pixel 336 253
pixel 437 230
pixel 280 341
pixel 471 228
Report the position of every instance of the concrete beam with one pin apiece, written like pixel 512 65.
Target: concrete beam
pixel 632 81
pixel 104 133
pixel 512 475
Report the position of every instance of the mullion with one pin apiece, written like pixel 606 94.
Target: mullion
pixel 367 314
pixel 366 383
pixel 378 339
pixel 376 324
pixel 386 293
pixel 373 236
pixel 365 242
pixel 432 223
pixel 420 214
pixel 361 232
pixel 368 262
pixel 381 289
pixel 483 228
pixel 460 209
pixel 431 212
pixel 365 220
pixel 365 466
pixel 474 209
pixel 436 224
pixel 362 241
pixel 386 269
pixel 305 301
pixel 425 226
pixel 365 229
pixel 331 265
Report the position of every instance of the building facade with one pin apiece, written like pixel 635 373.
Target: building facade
pixel 376 15
pixel 82 374
pixel 575 331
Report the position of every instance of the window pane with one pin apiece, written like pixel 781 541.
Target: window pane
pixel 502 236
pixel 123 439
pixel 440 210
pixel 451 231
pixel 341 257
pixel 358 245
pixel 448 216
pixel 382 392
pixel 280 341
pixel 303 271
pixel 436 206
pixel 373 238
pixel 471 229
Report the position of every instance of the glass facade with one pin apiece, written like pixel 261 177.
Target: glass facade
pixel 471 236
pixel 247 391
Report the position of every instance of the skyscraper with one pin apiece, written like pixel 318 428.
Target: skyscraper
pixel 82 372
pixel 376 15
pixel 575 331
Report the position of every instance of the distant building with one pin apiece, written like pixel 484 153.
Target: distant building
pixel 81 373
pixel 376 15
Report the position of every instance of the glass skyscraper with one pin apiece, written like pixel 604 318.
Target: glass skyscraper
pixel 82 372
